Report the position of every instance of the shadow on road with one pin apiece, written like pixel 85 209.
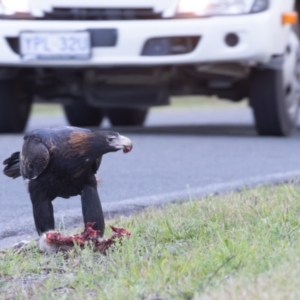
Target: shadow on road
pixel 221 129
pixel 200 130
pixel 205 130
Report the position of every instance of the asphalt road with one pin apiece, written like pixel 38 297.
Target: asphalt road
pixel 179 154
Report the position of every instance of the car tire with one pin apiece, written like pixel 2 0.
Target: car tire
pixel 80 114
pixel 127 116
pixel 274 95
pixel 15 106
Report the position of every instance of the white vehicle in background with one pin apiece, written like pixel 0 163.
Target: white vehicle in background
pixel 118 58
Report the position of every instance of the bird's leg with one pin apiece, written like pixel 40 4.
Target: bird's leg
pixel 44 223
pixel 43 216
pixel 91 206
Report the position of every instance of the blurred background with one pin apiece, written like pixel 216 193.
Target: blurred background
pixel 117 61
pixel 183 112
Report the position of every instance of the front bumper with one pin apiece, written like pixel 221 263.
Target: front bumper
pixel 255 32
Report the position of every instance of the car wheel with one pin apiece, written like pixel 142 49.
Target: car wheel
pixel 15 106
pixel 80 114
pixel 127 116
pixel 274 93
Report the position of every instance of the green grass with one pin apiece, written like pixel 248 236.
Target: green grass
pixel 177 103
pixel 238 246
pixel 197 102
pixel 47 109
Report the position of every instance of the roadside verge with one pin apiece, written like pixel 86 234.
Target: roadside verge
pixel 73 218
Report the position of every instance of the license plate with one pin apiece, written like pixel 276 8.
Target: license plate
pixel 55 45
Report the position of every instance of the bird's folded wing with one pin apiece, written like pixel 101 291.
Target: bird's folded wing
pixel 34 158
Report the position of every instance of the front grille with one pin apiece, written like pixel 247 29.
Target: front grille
pixel 101 14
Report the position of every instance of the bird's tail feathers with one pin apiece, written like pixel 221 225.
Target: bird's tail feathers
pixel 12 166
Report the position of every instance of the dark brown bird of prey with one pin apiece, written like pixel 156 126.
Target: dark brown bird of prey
pixel 62 162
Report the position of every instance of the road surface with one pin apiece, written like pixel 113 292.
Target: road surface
pixel 179 154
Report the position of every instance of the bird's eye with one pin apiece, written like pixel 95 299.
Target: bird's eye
pixel 110 139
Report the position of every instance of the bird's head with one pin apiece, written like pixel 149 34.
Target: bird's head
pixel 112 141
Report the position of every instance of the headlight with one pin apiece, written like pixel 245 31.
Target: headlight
pixel 220 7
pixel 10 7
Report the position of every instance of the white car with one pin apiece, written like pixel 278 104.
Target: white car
pixel 120 57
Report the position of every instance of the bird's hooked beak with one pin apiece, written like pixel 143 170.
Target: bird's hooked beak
pixel 127 144
pixel 122 142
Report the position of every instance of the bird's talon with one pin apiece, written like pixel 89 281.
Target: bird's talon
pixel 45 246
